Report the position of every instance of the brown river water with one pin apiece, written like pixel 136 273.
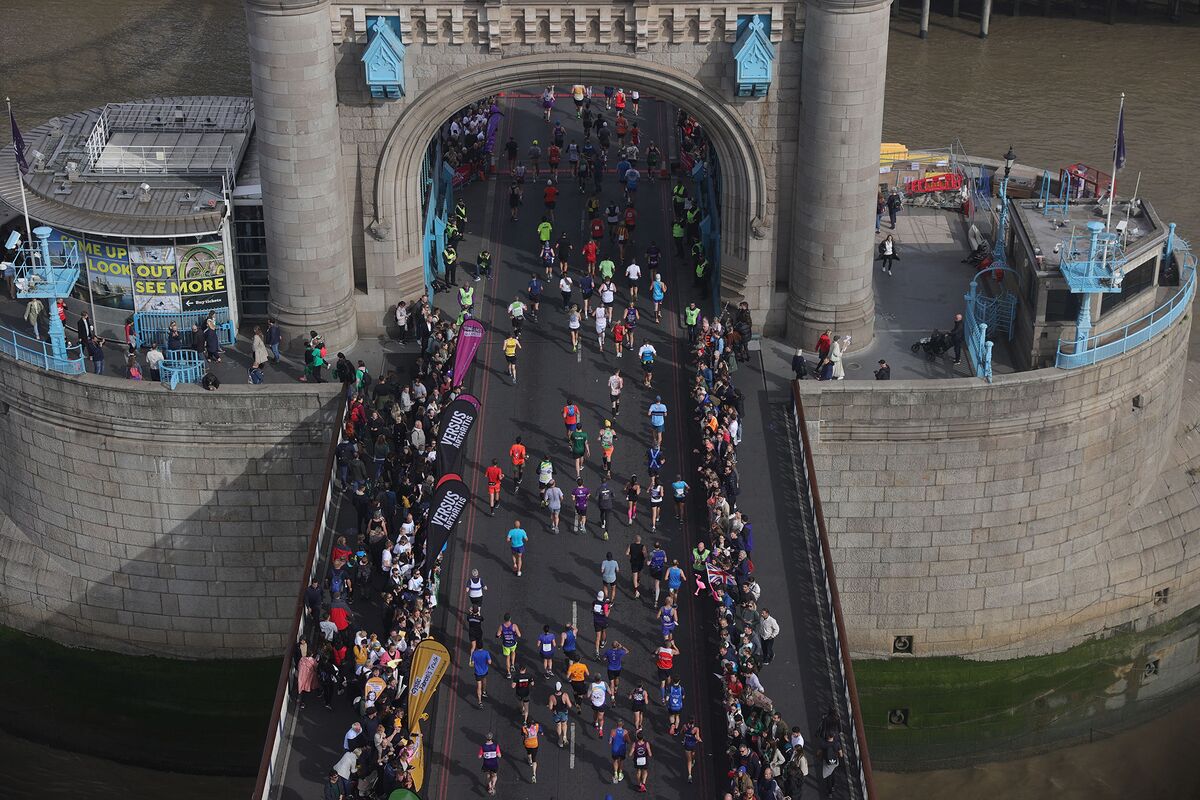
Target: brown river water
pixel 1049 87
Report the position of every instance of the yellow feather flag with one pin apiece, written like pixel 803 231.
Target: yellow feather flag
pixel 429 663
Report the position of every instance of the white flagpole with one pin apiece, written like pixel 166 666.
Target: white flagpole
pixel 21 180
pixel 1112 192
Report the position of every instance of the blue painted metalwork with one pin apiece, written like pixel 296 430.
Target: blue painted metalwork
pixel 181 366
pixel 999 312
pixel 48 275
pixel 40 353
pixel 754 55
pixel 153 326
pixel 437 181
pixel 1077 352
pixel 1094 262
pixel 1061 204
pixel 979 349
pixel 708 198
pixel 383 61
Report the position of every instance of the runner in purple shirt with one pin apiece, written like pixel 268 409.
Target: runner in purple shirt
pixel 581 494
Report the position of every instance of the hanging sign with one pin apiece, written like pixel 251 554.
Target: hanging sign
pixel 470 336
pixel 450 498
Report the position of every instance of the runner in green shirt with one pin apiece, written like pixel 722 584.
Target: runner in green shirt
pixel 579 449
pixel 607 269
pixel 545 230
pixel 607 437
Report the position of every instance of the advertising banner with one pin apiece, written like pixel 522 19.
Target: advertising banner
pixel 108 272
pixel 155 276
pixel 470 336
pixel 450 498
pixel 457 420
pixel 429 664
pixel 202 277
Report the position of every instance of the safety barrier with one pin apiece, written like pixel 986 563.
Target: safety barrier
pixel 1073 353
pixel 979 349
pixel 707 178
pixel 318 544
pixel 41 353
pixel 437 181
pixel 858 736
pixel 153 326
pixel 181 366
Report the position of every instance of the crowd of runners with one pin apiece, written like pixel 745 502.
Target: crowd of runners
pixel 574 673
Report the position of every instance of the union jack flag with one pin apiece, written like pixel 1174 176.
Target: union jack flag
pixel 718 577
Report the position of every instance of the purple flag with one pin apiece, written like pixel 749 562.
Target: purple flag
pixel 492 128
pixel 18 144
pixel 1119 147
pixel 470 336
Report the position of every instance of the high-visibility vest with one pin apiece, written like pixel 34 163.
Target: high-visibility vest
pixel 677 230
pixel 449 256
pixel 461 210
pixel 678 190
pixel 691 315
pixel 466 296
pixel 701 266
pixel 485 259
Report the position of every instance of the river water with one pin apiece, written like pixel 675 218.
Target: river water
pixel 1049 87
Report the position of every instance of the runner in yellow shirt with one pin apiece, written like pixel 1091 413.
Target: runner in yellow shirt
pixel 511 345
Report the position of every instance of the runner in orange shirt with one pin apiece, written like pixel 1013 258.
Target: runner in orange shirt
pixel 494 476
pixel 517 454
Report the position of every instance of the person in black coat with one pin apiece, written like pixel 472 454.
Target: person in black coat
pixel 956 336
pixel 884 373
pixel 799 366
pixel 84 328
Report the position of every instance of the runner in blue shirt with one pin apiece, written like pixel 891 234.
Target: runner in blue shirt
pixel 569 645
pixel 674 578
pixel 658 419
pixel 680 489
pixel 546 650
pixel 615 658
pixel 619 739
pixel 481 659
pixel 658 292
pixel 655 459
pixel 658 568
pixel 516 542
pixel 535 296
pixel 675 695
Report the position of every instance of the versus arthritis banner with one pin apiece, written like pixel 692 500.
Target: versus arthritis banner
pixel 450 498
pixel 457 420
pixel 429 663
pixel 470 336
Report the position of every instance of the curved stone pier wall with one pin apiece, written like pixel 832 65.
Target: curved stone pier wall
pixel 1011 519
pixel 141 520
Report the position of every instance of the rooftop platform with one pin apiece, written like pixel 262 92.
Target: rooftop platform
pixel 152 168
pixel 1144 231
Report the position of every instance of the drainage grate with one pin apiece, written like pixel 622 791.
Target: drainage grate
pixel 902 645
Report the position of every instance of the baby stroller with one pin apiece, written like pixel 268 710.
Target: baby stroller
pixel 934 345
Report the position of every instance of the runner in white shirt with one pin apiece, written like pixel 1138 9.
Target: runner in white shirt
pixel 633 274
pixel 615 384
pixel 598 696
pixel 601 324
pixel 608 294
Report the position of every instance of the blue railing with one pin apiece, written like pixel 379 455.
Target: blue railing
pixel 181 366
pixel 707 176
pixel 152 327
pixel 1073 353
pixel 40 354
pixel 437 181
pixel 979 349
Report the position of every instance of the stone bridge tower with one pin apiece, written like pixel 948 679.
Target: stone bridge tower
pixel 798 154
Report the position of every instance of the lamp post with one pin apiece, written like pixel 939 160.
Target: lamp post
pixel 1001 227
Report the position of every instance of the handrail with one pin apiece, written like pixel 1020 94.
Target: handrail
pixel 856 721
pixel 40 353
pixel 1116 341
pixel 262 784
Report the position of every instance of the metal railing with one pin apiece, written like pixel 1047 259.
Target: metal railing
pixel 114 159
pixel 1075 353
pixel 40 353
pixel 318 545
pixel 979 349
pixel 858 736
pixel 437 182
pixel 181 366
pixel 154 326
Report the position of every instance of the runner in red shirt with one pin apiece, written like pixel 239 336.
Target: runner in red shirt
pixel 550 197
pixel 570 415
pixel 494 476
pixel 597 229
pixel 590 252
pixel 517 454
pixel 630 220
pixel 555 155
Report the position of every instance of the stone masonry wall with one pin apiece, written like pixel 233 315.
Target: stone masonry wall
pixel 1011 519
pixel 141 520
